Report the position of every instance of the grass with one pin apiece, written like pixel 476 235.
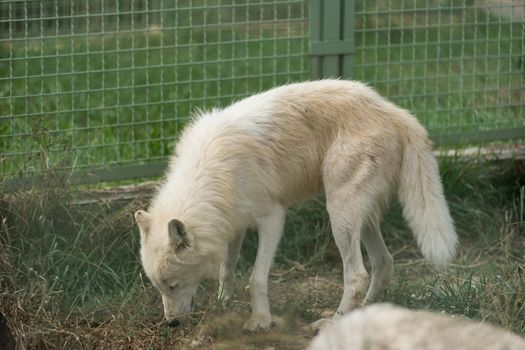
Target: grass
pixel 82 94
pixel 71 275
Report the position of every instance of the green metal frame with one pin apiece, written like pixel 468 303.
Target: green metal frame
pixel 478 137
pixel 331 38
pixel 110 174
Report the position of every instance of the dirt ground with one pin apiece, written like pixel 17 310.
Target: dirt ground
pixel 299 295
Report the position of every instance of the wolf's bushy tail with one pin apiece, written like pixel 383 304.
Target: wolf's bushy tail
pixel 422 198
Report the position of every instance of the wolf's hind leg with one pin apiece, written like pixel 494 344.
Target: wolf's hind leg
pixel 227 269
pixel 380 259
pixel 358 174
pixel 347 221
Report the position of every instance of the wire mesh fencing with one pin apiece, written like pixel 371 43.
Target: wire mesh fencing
pixel 92 84
pixel 459 66
pixel 97 83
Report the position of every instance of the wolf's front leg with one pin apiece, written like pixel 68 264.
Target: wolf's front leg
pixel 227 269
pixel 270 230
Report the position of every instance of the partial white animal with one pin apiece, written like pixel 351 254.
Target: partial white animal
pixel 245 165
pixel 388 327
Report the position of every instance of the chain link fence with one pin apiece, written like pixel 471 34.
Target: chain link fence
pixel 459 65
pixel 97 84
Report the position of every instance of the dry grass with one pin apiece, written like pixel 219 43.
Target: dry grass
pixel 70 275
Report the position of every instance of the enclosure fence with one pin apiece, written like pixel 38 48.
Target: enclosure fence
pixel 458 65
pixel 102 88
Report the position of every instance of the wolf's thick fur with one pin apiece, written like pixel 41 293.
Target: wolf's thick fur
pixel 388 327
pixel 246 164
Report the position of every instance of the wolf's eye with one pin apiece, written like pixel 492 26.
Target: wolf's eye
pixel 173 286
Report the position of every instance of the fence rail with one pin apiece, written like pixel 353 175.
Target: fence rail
pixel 103 87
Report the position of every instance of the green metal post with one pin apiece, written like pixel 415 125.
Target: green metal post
pixel 332 38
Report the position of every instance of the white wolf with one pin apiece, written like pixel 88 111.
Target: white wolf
pixel 244 165
pixel 388 327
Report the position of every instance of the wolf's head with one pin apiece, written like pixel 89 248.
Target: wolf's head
pixel 171 261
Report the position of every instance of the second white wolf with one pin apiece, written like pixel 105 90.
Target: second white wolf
pixel 389 327
pixel 245 165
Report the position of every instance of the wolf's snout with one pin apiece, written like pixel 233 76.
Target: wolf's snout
pixel 173 323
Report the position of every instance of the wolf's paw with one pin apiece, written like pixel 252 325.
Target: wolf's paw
pixel 258 322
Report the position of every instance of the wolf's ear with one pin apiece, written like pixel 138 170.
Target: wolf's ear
pixel 178 234
pixel 143 219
